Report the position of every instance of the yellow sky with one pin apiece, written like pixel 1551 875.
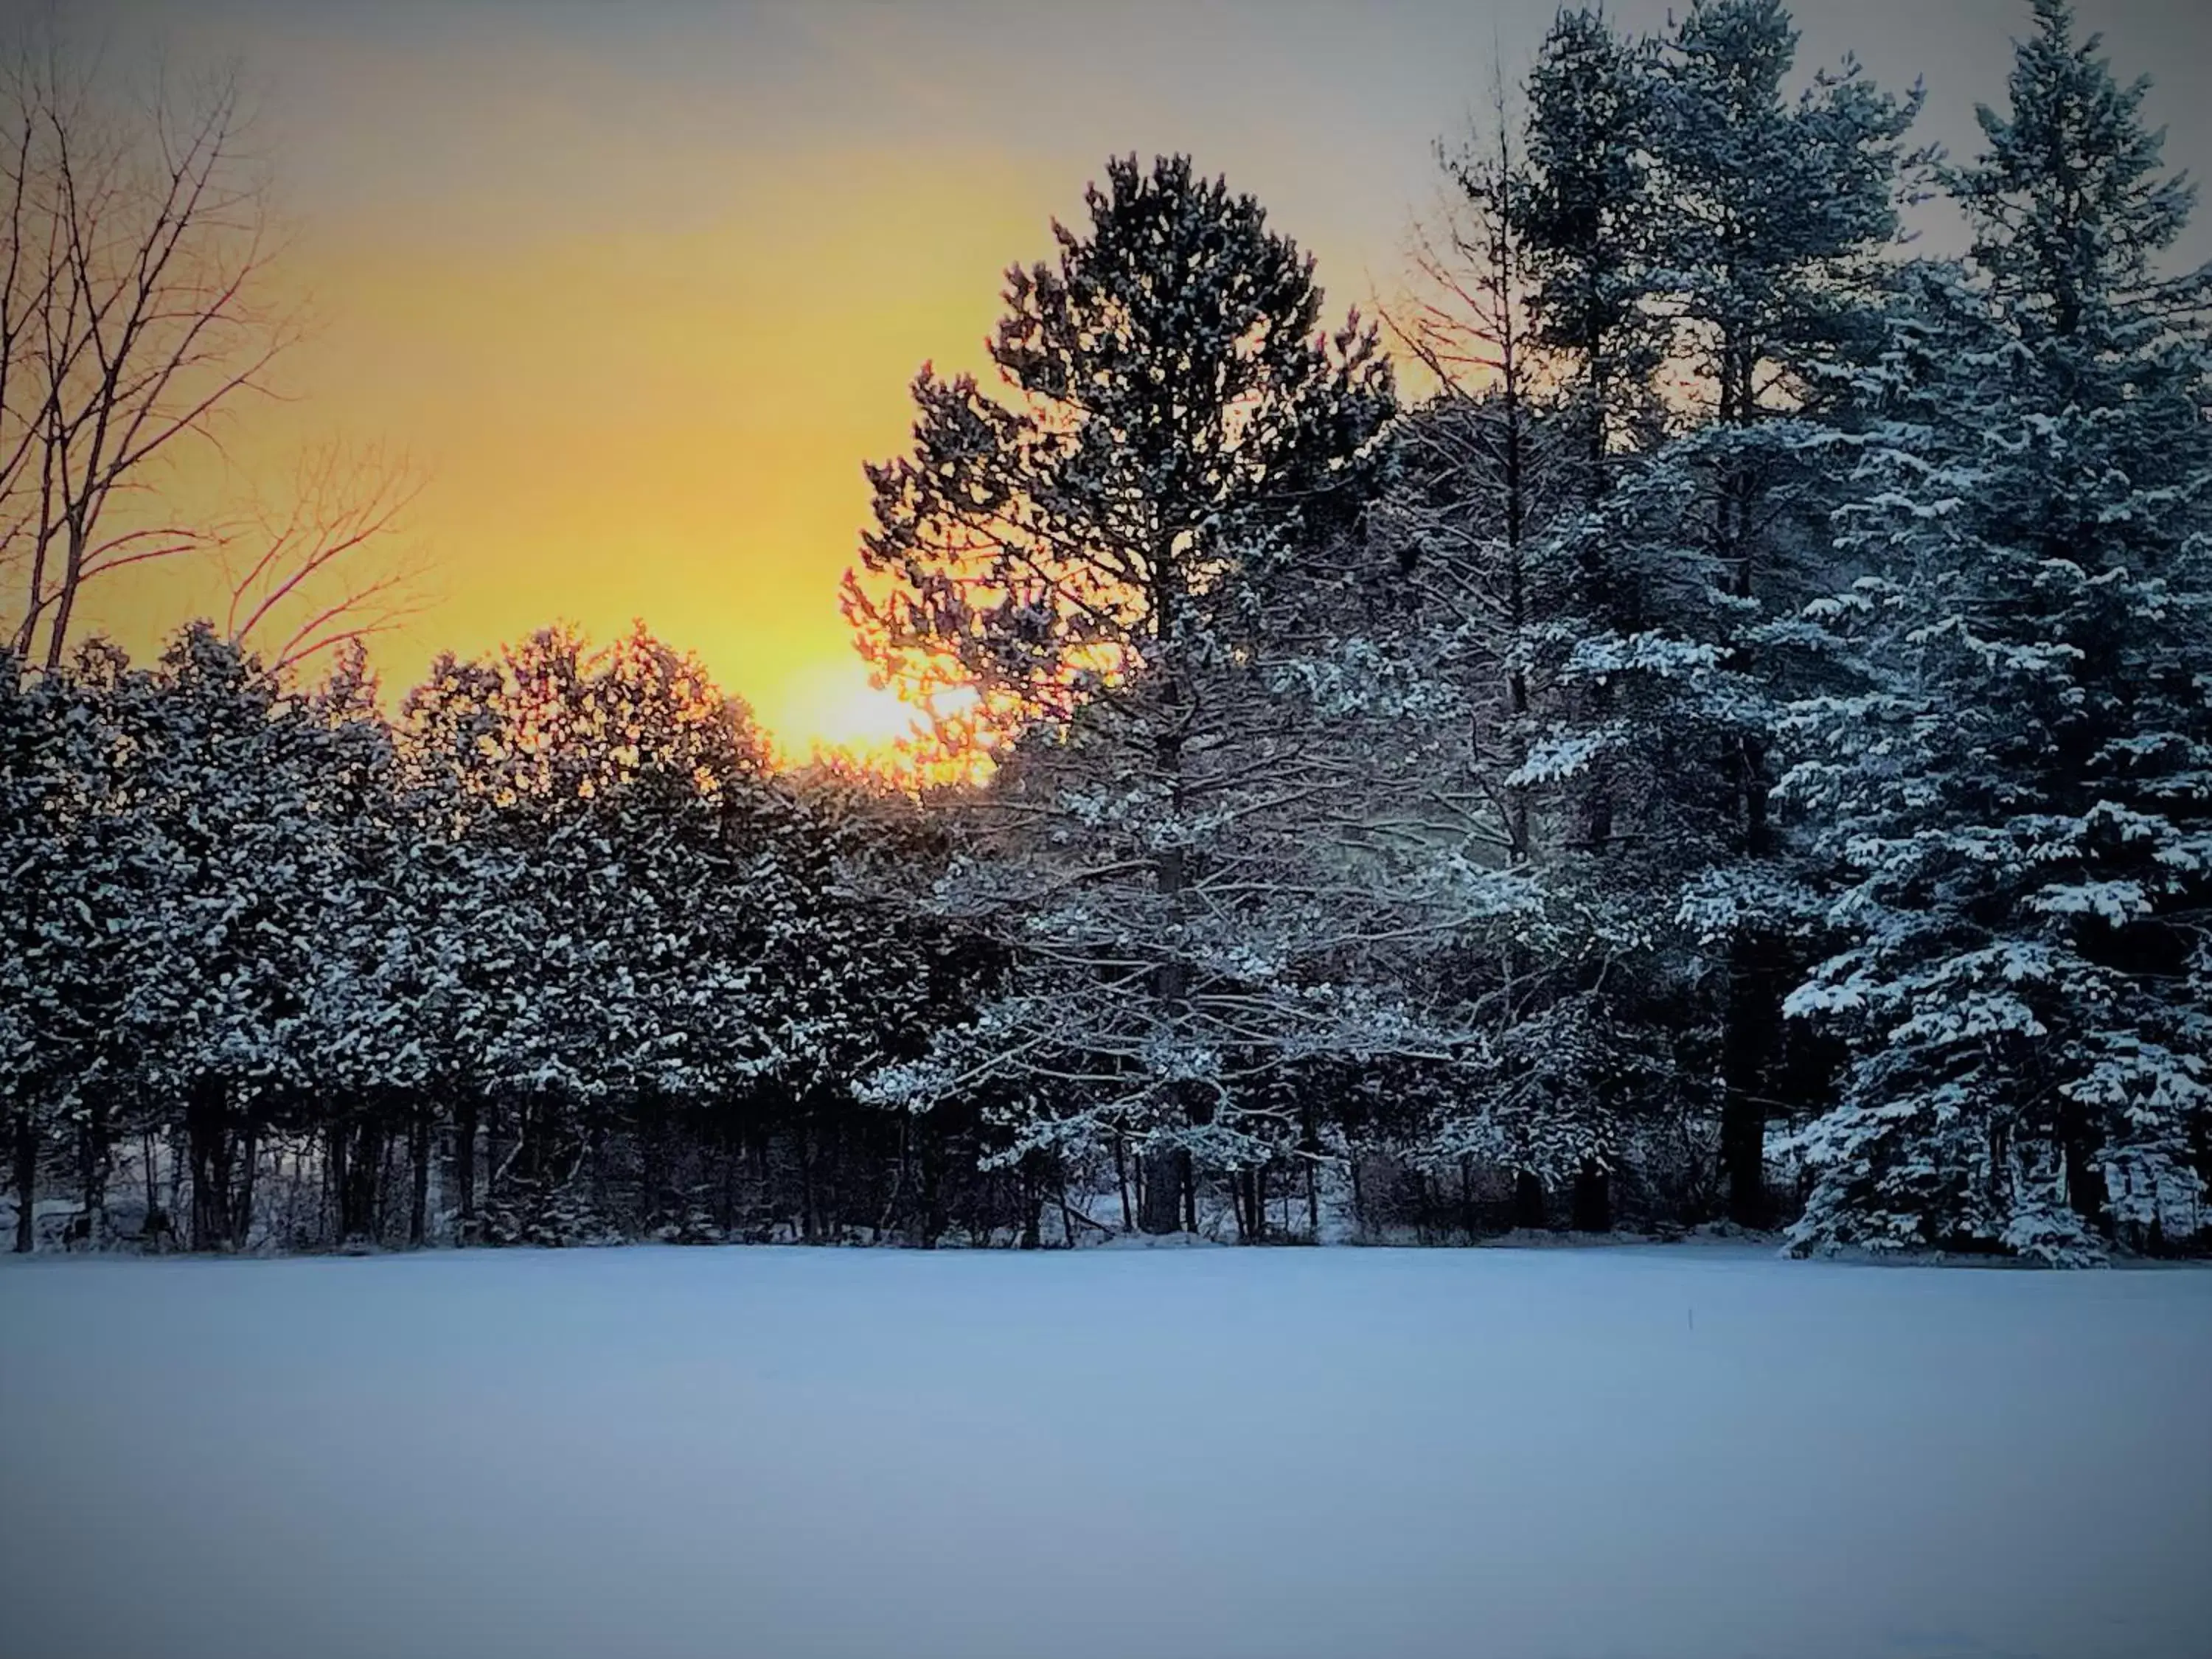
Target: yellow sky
pixel 641 287
pixel 667 425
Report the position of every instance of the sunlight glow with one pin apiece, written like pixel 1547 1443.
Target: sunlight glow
pixel 830 705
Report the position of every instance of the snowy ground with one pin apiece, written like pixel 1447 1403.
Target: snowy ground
pixel 1694 1453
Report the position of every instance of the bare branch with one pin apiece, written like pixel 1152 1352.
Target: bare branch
pixel 133 314
pixel 327 572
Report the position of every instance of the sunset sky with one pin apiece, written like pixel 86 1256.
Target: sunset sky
pixel 641 286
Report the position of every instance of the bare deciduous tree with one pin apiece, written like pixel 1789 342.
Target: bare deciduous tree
pixel 138 312
pixel 133 311
pixel 1480 464
pixel 306 590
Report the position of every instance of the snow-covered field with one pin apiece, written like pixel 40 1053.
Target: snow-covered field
pixel 1694 1453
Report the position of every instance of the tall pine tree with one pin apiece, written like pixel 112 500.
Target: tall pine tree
pixel 1124 563
pixel 2021 789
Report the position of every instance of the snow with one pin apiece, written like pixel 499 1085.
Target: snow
pixel 1695 1452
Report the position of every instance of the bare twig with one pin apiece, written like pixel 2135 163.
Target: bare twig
pixel 132 315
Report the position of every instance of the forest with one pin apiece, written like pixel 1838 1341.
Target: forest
pixel 1701 716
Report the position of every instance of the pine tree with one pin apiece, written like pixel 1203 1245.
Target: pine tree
pixel 1126 567
pixel 23 976
pixel 464 872
pixel 390 986
pixel 236 875
pixel 62 974
pixel 1772 257
pixel 1711 251
pixel 1611 644
pixel 2021 789
pixel 614 828
pixel 1589 221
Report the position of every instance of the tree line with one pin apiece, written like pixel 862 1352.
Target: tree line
pixel 1737 745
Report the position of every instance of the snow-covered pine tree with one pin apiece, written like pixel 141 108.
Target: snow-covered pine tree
pixel 25 1026
pixel 1699 317
pixel 1769 258
pixel 66 743
pixel 234 878
pixel 717 963
pixel 2022 790
pixel 498 749
pixel 1772 267
pixel 1588 222
pixel 1128 566
pixel 467 872
pixel 416 954
pixel 371 1068
pixel 857 977
pixel 1600 754
pixel 615 808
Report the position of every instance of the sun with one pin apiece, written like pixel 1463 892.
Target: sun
pixel 830 705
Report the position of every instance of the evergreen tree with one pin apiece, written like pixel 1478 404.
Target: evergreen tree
pixel 1734 236
pixel 2021 789
pixel 1780 213
pixel 63 966
pixel 238 875
pixel 1603 754
pixel 1589 222
pixel 1121 566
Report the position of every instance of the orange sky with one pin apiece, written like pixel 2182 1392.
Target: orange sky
pixel 641 287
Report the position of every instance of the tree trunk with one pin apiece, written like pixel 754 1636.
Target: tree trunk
pixel 1751 1041
pixel 807 1220
pixel 1068 1216
pixel 27 1181
pixel 358 1163
pixel 494 1122
pixel 2086 1190
pixel 595 1157
pixel 1168 1176
pixel 933 1209
pixel 1032 1204
pixel 1743 1154
pixel 1159 1205
pixel 334 1179
pixel 652 1165
pixel 418 1197
pixel 1249 1188
pixel 1121 1176
pixel 1750 1046
pixel 382 1209
pixel 249 1167
pixel 208 1137
pixel 464 1164
pixel 1592 1206
pixel 95 1171
pixel 1528 1206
